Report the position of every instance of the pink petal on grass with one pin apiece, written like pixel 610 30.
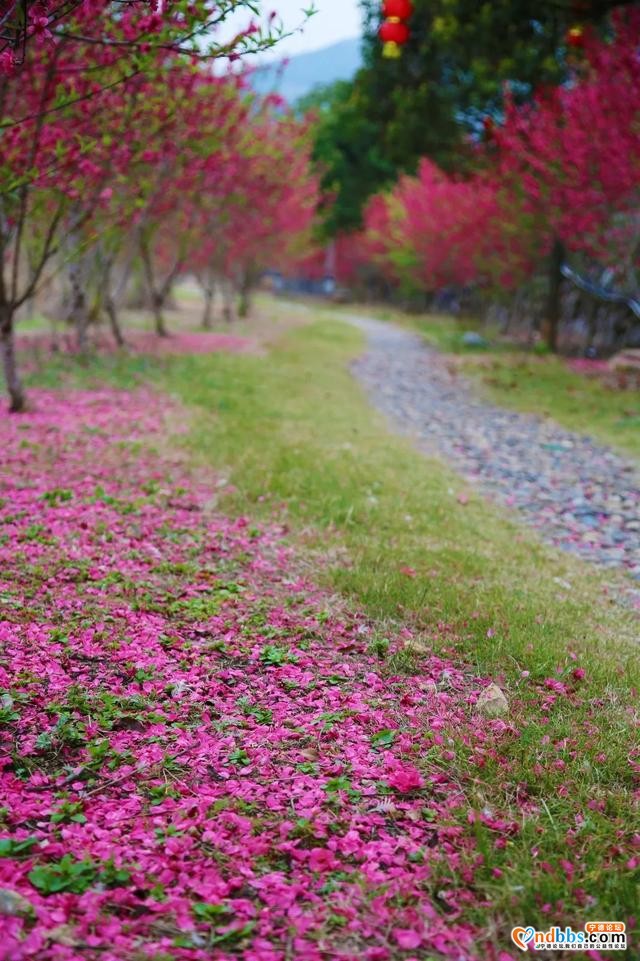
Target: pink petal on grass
pixel 407 938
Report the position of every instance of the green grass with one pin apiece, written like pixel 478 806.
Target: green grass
pixel 544 385
pixel 294 437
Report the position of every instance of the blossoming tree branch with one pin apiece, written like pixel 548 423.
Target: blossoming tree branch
pixel 120 141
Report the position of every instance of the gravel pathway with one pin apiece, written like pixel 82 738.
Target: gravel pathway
pixel 580 495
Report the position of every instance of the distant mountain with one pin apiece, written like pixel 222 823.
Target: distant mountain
pixel 302 73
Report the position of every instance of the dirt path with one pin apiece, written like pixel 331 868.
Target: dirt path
pixel 580 495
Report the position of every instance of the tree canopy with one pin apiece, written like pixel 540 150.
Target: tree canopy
pixel 438 97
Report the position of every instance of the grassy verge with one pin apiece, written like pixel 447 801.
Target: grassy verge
pixel 294 435
pixel 545 385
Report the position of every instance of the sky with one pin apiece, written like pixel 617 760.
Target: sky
pixel 335 20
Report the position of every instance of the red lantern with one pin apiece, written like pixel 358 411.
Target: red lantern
pixel 401 9
pixel 575 37
pixel 489 125
pixel 393 31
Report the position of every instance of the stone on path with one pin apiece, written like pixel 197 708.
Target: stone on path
pixel 492 702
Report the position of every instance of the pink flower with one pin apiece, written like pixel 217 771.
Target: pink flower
pixel 407 938
pixel 405 778
pixel 321 860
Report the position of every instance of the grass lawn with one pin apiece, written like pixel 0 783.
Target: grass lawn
pixel 292 434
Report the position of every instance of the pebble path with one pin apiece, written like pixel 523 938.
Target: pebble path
pixel 580 495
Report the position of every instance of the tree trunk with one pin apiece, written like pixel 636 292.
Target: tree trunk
pixel 552 315
pixel 158 316
pixel 81 323
pixel 17 399
pixel 244 300
pixel 78 314
pixel 227 300
pixel 157 298
pixel 114 323
pixel 207 314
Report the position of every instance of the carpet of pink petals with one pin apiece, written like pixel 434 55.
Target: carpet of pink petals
pixel 201 756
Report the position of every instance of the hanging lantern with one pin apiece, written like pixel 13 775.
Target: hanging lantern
pixel 401 9
pixel 489 126
pixel 393 32
pixel 575 37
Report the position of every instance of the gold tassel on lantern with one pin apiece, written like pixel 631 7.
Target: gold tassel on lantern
pixel 391 50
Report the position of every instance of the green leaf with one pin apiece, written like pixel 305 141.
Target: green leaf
pixel 384 738
pixel 209 912
pixel 65 875
pixel 76 877
pixel 14 847
pixel 234 934
pixel 274 656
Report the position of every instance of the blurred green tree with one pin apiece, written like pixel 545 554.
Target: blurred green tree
pixel 435 99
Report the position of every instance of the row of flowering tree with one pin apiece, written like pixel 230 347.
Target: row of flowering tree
pixel 123 151
pixel 556 179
